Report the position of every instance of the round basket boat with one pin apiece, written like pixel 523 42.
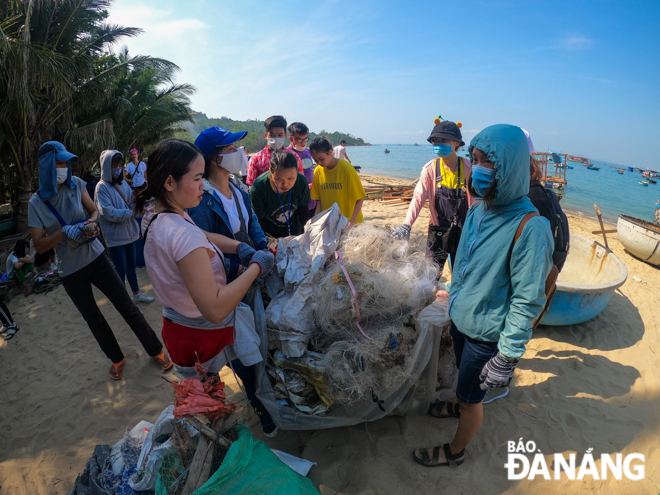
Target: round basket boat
pixel 640 238
pixel 586 283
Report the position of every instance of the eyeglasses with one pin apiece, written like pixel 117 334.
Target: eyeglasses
pixel 301 141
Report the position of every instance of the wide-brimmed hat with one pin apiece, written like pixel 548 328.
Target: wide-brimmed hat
pixel 217 136
pixel 447 130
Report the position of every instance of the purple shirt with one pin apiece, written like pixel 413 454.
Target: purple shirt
pixel 308 167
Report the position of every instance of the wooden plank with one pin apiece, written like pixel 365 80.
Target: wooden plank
pixel 602 226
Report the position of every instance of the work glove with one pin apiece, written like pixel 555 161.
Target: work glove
pixel 265 262
pixel 401 233
pixel 245 253
pixel 74 233
pixel 497 372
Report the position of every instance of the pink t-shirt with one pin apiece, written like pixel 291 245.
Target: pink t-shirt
pixel 171 238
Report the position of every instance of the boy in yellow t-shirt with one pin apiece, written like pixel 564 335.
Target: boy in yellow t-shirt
pixel 336 181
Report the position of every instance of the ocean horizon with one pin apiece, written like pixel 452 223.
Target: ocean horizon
pixel 615 194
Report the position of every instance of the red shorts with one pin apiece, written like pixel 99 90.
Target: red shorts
pixel 183 342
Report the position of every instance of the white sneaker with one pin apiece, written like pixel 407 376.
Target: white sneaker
pixel 142 297
pixel 273 433
pixel 496 393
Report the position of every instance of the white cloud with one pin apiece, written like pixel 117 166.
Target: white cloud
pixel 576 42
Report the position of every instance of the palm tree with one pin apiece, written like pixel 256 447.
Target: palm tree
pixel 54 68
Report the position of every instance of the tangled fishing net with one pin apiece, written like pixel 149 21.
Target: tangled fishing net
pixel 392 281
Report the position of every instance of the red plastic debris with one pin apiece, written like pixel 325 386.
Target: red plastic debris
pixel 204 395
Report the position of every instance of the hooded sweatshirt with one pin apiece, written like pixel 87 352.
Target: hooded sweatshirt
pixel 112 201
pixel 497 292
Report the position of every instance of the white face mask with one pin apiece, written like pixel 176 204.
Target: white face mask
pixel 62 174
pixel 235 162
pixel 275 143
pixel 298 148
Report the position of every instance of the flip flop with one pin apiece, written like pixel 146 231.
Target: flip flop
pixel 163 361
pixel 117 370
pixel 11 332
pixel 434 461
pixel 453 410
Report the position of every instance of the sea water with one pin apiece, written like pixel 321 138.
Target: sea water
pixel 615 194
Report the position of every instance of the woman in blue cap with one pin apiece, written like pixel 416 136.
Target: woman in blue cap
pixel 57 216
pixel 498 283
pixel 226 209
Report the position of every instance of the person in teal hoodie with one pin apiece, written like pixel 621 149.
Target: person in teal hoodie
pixel 498 287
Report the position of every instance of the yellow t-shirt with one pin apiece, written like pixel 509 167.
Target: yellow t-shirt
pixel 447 178
pixel 340 185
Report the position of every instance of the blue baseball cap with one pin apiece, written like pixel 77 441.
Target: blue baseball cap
pixel 58 148
pixel 213 137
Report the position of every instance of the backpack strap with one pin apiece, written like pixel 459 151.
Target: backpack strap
pixel 523 222
pixel 55 212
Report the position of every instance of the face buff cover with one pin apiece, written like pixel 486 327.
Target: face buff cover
pixel 482 177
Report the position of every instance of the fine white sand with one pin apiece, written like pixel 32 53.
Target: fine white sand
pixel 594 385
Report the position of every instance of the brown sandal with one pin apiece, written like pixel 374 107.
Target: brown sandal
pixel 453 410
pixel 163 361
pixel 117 370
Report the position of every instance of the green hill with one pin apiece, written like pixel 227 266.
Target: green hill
pixel 255 140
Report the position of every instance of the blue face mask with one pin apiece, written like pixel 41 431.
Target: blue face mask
pixel 116 172
pixel 482 178
pixel 442 150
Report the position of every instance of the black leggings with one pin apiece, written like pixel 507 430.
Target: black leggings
pixel 249 378
pixel 103 275
pixel 5 315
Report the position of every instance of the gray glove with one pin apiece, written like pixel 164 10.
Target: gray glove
pixel 497 372
pixel 245 253
pixel 401 233
pixel 265 262
pixel 74 233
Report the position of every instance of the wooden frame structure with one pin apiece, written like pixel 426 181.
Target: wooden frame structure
pixel 553 167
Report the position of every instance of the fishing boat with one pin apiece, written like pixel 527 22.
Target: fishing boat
pixel 592 167
pixel 620 171
pixel 386 150
pixel 644 182
pixel 640 238
pixel 569 166
pixel 652 181
pixel 586 283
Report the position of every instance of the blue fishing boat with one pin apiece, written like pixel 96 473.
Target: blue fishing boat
pixel 586 284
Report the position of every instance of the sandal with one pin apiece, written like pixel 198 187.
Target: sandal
pixel 117 370
pixel 454 410
pixel 163 361
pixel 452 459
pixel 11 331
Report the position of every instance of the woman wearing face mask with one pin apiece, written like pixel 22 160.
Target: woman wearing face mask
pixel 120 231
pixel 57 218
pixel 281 197
pixel 224 208
pixel 498 283
pixel 442 182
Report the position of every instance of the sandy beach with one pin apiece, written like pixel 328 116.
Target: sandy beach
pixel 594 385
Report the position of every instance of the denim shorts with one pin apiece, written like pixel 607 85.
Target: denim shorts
pixel 471 357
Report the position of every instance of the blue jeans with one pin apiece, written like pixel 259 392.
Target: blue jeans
pixel 471 357
pixel 139 247
pixel 123 257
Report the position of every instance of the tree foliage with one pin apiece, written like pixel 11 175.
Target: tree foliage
pixel 58 81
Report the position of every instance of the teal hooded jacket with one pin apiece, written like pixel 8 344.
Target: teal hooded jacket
pixel 497 292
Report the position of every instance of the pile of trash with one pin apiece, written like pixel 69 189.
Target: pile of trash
pixel 344 316
pixel 195 448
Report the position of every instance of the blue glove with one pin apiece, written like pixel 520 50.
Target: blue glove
pixel 265 262
pixel 74 233
pixel 245 253
pixel 401 233
pixel 497 372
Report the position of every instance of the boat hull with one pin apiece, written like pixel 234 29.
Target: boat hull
pixel 586 284
pixel 640 238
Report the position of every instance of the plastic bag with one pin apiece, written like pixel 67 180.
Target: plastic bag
pixel 249 468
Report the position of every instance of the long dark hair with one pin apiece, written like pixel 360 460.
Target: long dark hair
pixel 21 247
pixel 169 157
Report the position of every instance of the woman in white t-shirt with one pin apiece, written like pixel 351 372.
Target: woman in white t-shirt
pixel 203 317
pixel 135 173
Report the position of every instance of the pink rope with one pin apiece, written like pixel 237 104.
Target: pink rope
pixel 350 284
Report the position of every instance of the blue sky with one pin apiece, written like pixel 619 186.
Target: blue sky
pixel 582 77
